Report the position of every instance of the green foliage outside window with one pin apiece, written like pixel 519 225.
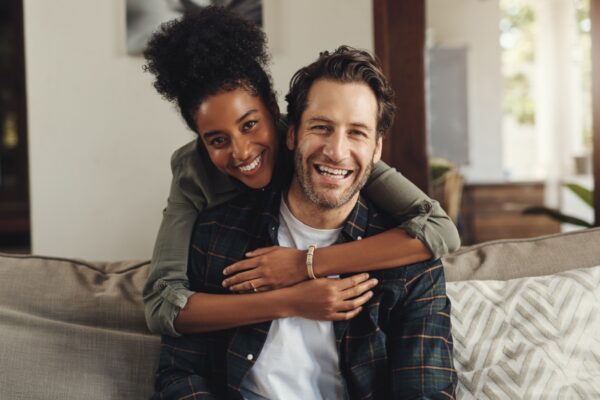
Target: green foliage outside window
pixel 517 38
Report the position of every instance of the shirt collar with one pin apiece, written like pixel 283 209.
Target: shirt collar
pixel 353 229
pixel 356 224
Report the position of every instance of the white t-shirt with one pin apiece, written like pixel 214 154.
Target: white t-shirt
pixel 299 359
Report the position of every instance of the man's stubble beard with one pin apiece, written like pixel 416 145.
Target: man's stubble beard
pixel 303 176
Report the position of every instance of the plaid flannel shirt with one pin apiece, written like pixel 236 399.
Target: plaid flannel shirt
pixel 398 347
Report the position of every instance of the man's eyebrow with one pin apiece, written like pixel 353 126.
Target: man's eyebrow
pixel 321 118
pixel 208 134
pixel 361 125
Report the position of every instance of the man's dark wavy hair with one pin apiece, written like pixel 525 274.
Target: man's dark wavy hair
pixel 345 64
pixel 205 52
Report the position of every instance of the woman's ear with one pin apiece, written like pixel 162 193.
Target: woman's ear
pixel 291 137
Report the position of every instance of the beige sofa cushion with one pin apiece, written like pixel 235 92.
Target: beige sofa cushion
pixel 528 338
pixel 73 330
pixel 517 258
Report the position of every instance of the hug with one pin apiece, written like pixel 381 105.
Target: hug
pixel 291 261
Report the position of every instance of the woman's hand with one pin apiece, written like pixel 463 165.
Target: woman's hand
pixel 330 299
pixel 267 268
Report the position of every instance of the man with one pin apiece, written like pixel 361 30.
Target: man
pixel 399 346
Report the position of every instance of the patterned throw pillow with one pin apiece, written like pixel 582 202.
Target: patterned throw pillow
pixel 528 338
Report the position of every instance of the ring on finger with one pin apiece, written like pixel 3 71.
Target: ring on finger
pixel 253 288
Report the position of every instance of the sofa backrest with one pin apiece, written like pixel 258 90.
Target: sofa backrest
pixel 517 258
pixel 74 330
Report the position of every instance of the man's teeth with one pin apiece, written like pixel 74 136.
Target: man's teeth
pixel 337 173
pixel 251 166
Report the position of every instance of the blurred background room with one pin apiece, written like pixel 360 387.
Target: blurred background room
pixel 495 112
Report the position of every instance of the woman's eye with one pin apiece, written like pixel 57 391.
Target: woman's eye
pixel 218 142
pixel 249 125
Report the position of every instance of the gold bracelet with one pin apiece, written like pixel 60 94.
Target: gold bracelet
pixel 309 261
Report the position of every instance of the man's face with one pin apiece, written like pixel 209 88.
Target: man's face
pixel 336 143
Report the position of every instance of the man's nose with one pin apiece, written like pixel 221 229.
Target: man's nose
pixel 336 147
pixel 241 148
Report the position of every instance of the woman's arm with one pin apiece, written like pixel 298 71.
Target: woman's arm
pixel 415 212
pixel 424 232
pixel 166 290
pixel 328 299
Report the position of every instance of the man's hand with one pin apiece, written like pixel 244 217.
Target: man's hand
pixel 267 268
pixel 330 299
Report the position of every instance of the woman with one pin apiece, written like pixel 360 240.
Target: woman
pixel 211 64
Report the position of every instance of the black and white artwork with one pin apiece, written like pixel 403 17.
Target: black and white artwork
pixel 145 16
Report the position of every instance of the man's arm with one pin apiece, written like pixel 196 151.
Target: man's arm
pixel 419 337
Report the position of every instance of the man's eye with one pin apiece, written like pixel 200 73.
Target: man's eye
pixel 321 128
pixel 218 142
pixel 249 125
pixel 358 133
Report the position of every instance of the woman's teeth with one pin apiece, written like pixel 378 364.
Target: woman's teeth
pixel 252 166
pixel 333 172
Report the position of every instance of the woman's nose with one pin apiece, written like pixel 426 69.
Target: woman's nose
pixel 241 148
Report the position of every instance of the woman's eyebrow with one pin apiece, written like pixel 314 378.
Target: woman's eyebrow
pixel 246 114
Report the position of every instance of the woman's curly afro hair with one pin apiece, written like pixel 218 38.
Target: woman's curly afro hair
pixel 205 52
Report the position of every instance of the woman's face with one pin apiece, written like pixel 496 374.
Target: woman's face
pixel 240 136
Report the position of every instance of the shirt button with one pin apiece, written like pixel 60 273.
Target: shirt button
pixel 426 206
pixel 250 357
pixel 359 238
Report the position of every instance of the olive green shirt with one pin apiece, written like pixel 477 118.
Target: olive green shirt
pixel 198 185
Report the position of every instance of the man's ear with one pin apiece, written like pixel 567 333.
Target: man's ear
pixel 291 135
pixel 378 147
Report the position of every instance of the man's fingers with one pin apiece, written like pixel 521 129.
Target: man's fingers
pixel 260 251
pixel 239 266
pixel 353 280
pixel 359 289
pixel 240 278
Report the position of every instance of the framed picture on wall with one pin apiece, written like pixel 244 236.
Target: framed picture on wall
pixel 145 16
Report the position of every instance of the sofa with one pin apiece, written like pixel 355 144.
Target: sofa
pixel 526 318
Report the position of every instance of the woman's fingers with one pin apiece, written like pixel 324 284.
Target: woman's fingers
pixel 359 289
pixel 249 285
pixel 260 251
pixel 350 305
pixel 240 278
pixel 239 266
pixel 344 316
pixel 352 281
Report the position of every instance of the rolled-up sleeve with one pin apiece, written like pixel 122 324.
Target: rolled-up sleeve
pixel 167 288
pixel 415 212
pixel 196 186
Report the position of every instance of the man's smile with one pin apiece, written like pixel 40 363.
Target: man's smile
pixel 330 172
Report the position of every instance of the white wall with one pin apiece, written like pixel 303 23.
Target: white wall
pixel 100 138
pixel 475 24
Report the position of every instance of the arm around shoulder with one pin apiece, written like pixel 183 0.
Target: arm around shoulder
pixel 419 215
